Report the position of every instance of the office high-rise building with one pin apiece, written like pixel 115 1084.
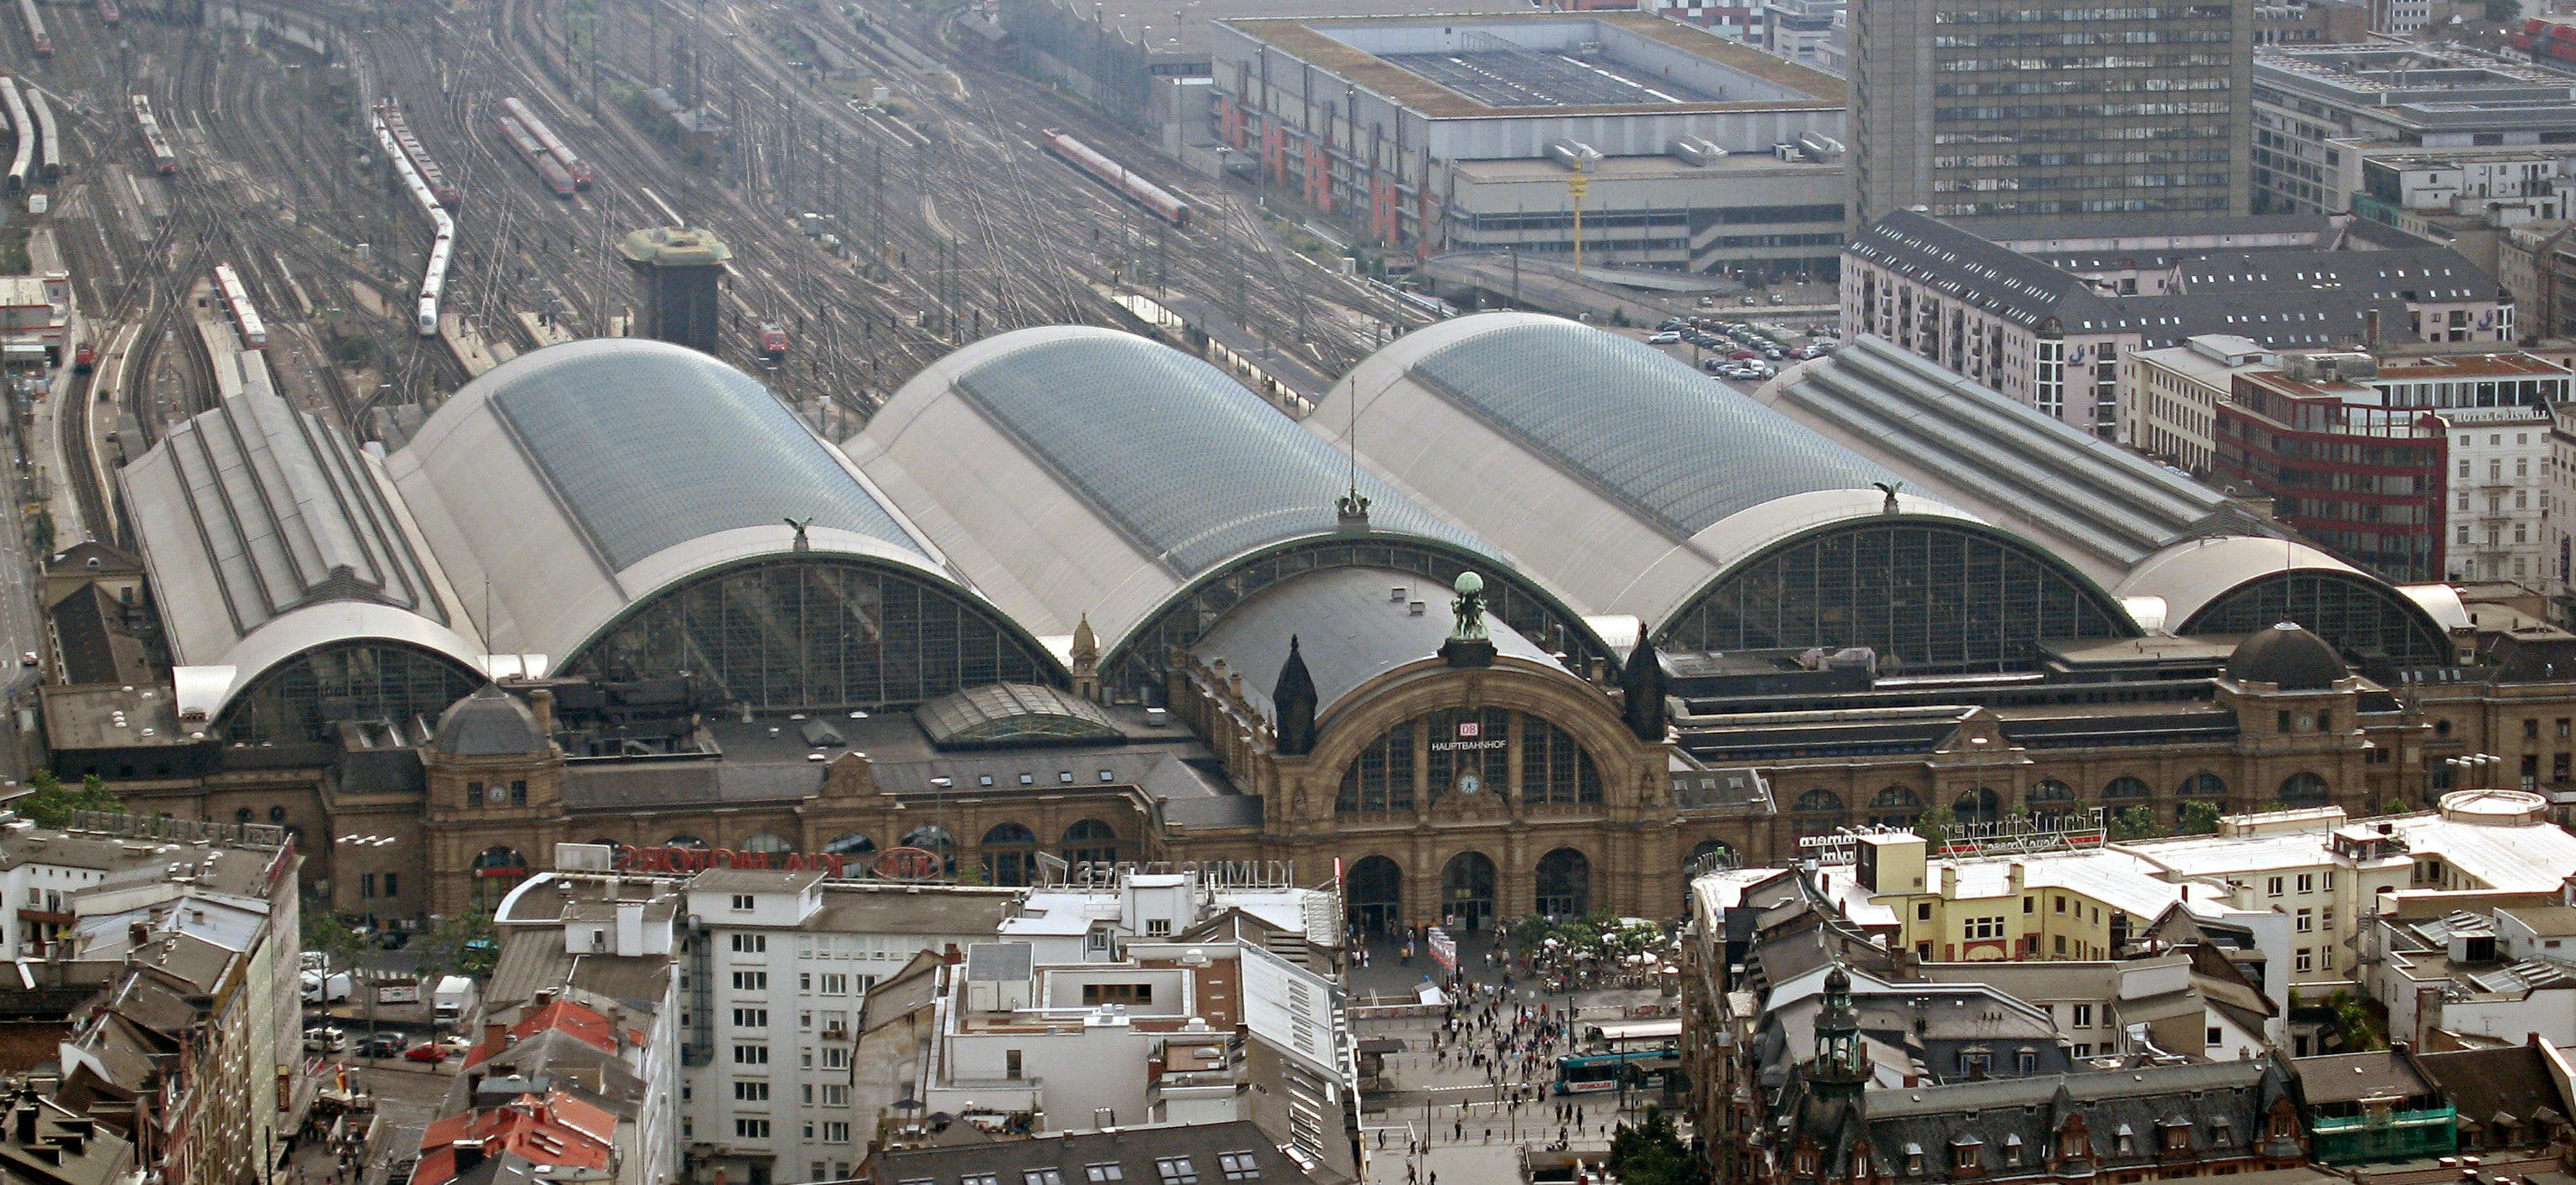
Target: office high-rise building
pixel 2008 107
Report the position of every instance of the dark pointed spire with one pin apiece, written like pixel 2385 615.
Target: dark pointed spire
pixel 1293 697
pixel 1641 687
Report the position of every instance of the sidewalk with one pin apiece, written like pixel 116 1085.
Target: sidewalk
pixel 1460 1122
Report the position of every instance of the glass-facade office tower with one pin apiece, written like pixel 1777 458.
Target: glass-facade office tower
pixel 2003 107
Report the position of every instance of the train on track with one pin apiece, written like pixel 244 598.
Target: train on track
pixel 155 145
pixel 553 145
pixel 49 136
pixel 442 244
pixel 110 14
pixel 254 332
pixel 773 341
pixel 22 161
pixel 407 145
pixel 547 169
pixel 36 33
pixel 1131 185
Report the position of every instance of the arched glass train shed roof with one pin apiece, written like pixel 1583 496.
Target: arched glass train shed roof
pixel 2238 584
pixel 1646 489
pixel 566 485
pixel 1073 472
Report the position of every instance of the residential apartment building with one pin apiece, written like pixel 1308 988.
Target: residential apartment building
pixel 1989 107
pixel 2043 310
pixel 2421 464
pixel 767 971
pixel 188 933
pixel 2379 128
pixel 2169 397
pixel 1142 1001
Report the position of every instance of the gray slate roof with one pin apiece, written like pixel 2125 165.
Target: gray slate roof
pixel 2278 296
pixel 489 723
pixel 1349 629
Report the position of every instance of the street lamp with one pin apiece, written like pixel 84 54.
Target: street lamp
pixel 363 841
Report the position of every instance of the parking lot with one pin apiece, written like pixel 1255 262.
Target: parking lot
pixel 1742 346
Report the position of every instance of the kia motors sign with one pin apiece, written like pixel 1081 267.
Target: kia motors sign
pixel 631 859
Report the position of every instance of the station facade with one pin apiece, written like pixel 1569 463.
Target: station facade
pixel 1073 598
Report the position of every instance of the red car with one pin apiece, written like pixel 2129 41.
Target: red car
pixel 432 1052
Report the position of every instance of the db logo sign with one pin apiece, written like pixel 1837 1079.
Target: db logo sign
pixel 1470 729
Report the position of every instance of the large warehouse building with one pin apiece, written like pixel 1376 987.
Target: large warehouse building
pixel 1072 594
pixel 1467 132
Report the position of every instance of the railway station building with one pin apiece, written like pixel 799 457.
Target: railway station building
pixel 1073 598
pixel 1489 132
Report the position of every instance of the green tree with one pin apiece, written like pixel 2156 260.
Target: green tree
pixel 334 936
pixel 2353 1023
pixel 50 803
pixel 2137 822
pixel 1651 1152
pixel 2394 806
pixel 462 945
pixel 1934 826
pixel 2198 818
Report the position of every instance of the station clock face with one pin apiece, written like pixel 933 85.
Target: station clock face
pixel 1470 782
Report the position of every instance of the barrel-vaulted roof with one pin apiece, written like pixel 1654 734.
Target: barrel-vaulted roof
pixel 268 533
pixel 1073 471
pixel 566 485
pixel 1616 473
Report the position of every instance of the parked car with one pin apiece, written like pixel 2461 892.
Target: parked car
pixel 428 1051
pixel 380 1045
pixel 324 1039
pixel 1665 338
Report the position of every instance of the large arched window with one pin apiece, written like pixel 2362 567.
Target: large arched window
pixel 299 699
pixel 1816 812
pixel 1927 595
pixel 851 846
pixel 2204 785
pixel 815 631
pixel 768 843
pixel 1090 842
pixel 2350 611
pixel 1896 806
pixel 937 840
pixel 2304 789
pixel 1977 805
pixel 1565 884
pixel 1554 769
pixel 2124 787
pixel 1010 855
pixel 1464 751
pixel 1381 779
pixel 684 840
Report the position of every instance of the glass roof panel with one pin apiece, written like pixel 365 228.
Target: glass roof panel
pixel 1187 464
pixel 650 446
pixel 1674 446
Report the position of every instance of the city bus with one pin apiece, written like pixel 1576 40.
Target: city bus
pixel 1644 1070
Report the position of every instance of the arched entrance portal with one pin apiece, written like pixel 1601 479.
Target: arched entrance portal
pixel 1980 805
pixel 1375 890
pixel 1565 884
pixel 1467 890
